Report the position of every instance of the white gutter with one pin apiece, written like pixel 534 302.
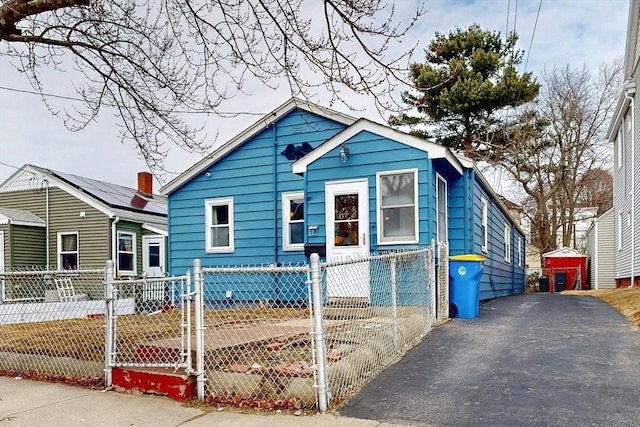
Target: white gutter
pixel 46 231
pixel 629 93
pixel 114 242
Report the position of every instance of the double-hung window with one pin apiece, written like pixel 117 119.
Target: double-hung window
pixel 219 225
pixel 441 223
pixel 484 207
pixel 293 221
pixel 68 251
pixel 519 251
pixel 397 210
pixel 507 242
pixel 126 253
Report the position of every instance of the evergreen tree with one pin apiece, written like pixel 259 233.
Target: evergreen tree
pixel 465 88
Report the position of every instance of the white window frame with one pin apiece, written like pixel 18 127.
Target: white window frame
pixel 620 234
pixel 379 217
pixel 208 204
pixel 620 146
pixel 60 252
pixel 287 198
pixel 439 179
pixel 484 208
pixel 507 243
pixel 133 252
pixel 519 251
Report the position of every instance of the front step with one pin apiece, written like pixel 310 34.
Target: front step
pixel 177 385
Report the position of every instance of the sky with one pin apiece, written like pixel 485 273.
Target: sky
pixel 576 33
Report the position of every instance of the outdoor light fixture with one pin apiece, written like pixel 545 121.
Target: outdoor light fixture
pixel 344 154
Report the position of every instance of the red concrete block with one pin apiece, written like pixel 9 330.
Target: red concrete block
pixel 161 381
pixel 243 369
pixel 274 346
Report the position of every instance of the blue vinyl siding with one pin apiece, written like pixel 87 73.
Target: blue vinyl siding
pixel 499 277
pixel 247 175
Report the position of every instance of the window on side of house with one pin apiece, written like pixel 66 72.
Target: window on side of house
pixel 519 251
pixel 620 147
pixel 620 218
pixel 507 242
pixel 219 225
pixel 397 206
pixel 442 221
pixel 126 255
pixel 68 253
pixel 293 221
pixel 484 207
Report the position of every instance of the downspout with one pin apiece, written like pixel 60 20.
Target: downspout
pixel 46 207
pixel 629 94
pixel 114 243
pixel 276 290
pixel 275 194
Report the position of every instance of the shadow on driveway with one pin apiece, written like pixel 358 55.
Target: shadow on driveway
pixel 527 360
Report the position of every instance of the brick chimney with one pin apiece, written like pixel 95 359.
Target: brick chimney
pixel 145 183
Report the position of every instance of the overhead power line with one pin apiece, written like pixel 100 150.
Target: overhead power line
pixel 71 98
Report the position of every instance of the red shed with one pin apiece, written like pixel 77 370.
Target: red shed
pixel 565 268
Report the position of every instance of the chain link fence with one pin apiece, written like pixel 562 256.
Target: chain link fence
pixel 293 336
pixel 259 346
pixel 52 325
pixel 375 310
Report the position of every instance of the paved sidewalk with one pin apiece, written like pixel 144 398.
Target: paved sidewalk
pixel 29 403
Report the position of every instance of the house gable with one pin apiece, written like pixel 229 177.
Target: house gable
pixel 253 131
pixel 254 175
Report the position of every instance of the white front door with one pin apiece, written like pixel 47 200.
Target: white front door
pixel 347 216
pixel 153 256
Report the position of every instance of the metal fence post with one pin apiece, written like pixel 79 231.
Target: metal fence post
pixel 321 359
pixel 394 301
pixel 109 322
pixel 199 300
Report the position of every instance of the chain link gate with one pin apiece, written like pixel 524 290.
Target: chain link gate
pixel 149 323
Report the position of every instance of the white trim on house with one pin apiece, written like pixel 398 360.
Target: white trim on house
pixel 60 252
pixel 439 179
pixel 249 133
pixel 507 242
pixel 125 251
pixel 379 215
pixel 484 223
pixel 157 229
pixel 364 125
pixel 287 198
pixel 208 226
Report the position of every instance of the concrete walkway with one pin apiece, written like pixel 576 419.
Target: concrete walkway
pixel 527 360
pixel 25 403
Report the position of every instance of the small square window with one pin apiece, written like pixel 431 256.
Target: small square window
pixel 68 258
pixel 397 207
pixel 126 253
pixel 219 225
pixel 293 229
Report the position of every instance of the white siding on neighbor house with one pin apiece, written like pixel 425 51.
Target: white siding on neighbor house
pixel 626 171
pixel 601 252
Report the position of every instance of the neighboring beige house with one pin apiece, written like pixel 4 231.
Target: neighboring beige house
pixel 624 134
pixel 601 252
pixel 57 220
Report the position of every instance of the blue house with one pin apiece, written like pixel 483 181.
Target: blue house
pixel 309 176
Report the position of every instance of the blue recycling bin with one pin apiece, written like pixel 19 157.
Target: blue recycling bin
pixel 464 284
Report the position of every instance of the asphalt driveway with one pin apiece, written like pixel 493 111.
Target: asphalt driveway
pixel 527 360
